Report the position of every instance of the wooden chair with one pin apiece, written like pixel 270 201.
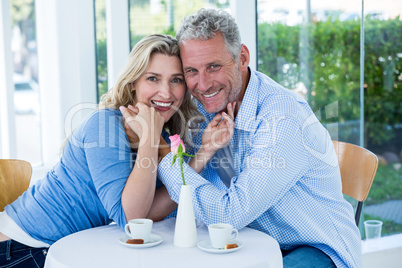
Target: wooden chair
pixel 358 167
pixel 15 176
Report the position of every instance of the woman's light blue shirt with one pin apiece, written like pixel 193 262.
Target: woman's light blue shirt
pixel 83 190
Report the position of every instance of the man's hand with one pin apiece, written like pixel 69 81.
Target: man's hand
pixel 216 135
pixel 219 131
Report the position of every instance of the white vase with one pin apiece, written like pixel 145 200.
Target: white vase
pixel 185 233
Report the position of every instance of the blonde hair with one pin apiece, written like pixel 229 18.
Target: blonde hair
pixel 121 94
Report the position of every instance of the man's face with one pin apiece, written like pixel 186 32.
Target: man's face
pixel 211 74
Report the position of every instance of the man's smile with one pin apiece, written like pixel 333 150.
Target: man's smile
pixel 212 94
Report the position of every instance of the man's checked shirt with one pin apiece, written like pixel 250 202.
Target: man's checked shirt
pixel 287 180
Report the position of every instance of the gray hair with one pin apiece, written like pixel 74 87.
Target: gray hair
pixel 205 23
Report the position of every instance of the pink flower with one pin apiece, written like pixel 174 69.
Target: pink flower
pixel 178 152
pixel 175 142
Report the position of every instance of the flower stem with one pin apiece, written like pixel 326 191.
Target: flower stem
pixel 181 168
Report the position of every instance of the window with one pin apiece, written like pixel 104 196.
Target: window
pixel 101 48
pixel 25 78
pixel 155 16
pixel 383 110
pixel 314 48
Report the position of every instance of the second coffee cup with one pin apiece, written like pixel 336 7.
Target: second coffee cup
pixel 221 234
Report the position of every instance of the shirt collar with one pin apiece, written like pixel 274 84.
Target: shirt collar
pixel 249 104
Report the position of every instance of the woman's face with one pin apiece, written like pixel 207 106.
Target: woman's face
pixel 162 85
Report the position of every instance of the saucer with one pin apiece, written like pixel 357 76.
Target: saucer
pixel 154 240
pixel 205 245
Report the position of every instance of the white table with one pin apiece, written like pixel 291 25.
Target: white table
pixel 99 247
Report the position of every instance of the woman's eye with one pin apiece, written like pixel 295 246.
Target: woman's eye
pixel 177 80
pixel 152 78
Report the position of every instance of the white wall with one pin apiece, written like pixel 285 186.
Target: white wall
pixel 67 66
pixel 118 37
pixel 245 15
pixel 7 118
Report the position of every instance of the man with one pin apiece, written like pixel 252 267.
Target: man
pixel 279 174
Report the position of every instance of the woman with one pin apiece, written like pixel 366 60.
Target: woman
pixel 95 183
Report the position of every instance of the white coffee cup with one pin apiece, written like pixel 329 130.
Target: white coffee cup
pixel 221 234
pixel 139 229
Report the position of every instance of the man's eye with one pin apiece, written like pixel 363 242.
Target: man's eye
pixel 191 71
pixel 214 67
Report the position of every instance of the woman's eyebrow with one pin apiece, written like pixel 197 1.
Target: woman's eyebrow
pixel 156 74
pixel 152 73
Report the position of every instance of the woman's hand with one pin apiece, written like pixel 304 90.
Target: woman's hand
pixel 133 138
pixel 144 121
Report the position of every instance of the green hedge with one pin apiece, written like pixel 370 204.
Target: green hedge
pixel 325 56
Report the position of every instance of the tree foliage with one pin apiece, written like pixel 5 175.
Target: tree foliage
pixel 325 56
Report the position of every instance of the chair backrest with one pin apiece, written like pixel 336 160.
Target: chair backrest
pixel 15 176
pixel 358 167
